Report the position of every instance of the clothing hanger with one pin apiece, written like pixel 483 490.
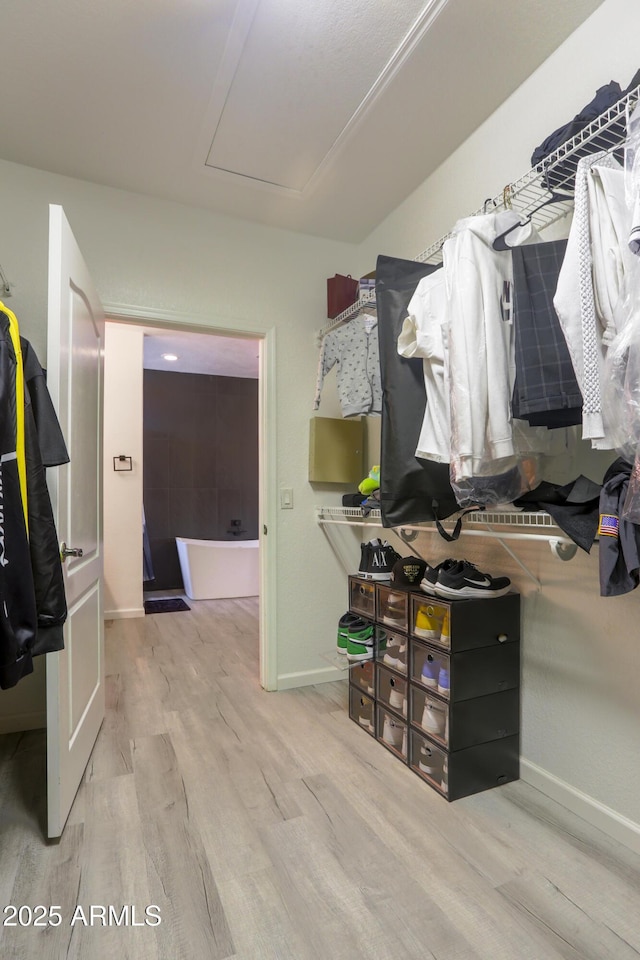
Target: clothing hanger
pixel 500 242
pixel 370 309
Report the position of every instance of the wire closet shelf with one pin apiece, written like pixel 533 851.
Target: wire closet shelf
pixel 500 525
pixel 555 173
pixel 534 518
pixel 527 522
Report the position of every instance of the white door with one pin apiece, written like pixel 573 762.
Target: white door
pixel 75 676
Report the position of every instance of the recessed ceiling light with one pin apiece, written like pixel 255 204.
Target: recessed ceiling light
pixel 171 357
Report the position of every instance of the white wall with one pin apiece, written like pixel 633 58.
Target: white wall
pixel 169 260
pixel 604 48
pixel 581 653
pixel 123 489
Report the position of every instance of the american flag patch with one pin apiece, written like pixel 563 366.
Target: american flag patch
pixel 608 526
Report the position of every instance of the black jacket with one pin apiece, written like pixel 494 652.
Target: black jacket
pixel 18 617
pixel 619 553
pixel 33 605
pixel 45 447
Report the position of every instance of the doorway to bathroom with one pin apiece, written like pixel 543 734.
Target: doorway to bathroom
pixel 186 421
pixel 200 476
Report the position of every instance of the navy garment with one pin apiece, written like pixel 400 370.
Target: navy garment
pixel 604 98
pixel 574 507
pixel 545 391
pixel 619 553
pixel 561 175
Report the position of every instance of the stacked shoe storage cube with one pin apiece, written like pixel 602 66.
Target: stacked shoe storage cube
pixel 460 740
pixel 362 600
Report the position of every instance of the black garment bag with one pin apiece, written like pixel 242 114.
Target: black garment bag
pixel 411 490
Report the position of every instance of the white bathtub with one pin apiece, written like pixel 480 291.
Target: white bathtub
pixel 218 569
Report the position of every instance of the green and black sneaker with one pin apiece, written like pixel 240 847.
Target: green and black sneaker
pixel 343 630
pixel 360 640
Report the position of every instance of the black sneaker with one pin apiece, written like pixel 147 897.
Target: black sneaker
pixel 380 562
pixel 430 577
pixel 465 580
pixel 365 553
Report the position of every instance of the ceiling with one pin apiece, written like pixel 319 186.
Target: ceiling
pixel 318 116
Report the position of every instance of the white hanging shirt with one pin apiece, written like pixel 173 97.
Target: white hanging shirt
pixel 589 288
pixel 424 334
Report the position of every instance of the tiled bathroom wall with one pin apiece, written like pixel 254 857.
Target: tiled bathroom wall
pixel 200 463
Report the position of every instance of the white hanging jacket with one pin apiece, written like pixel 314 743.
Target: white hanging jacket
pixel 481 360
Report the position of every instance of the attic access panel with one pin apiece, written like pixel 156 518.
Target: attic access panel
pixel 297 84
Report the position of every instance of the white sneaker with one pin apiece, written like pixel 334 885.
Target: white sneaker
pixel 391 658
pixel 392 732
pixel 433 718
pixel 430 762
pixel 365 721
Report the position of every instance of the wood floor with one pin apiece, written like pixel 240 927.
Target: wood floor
pixel 271 826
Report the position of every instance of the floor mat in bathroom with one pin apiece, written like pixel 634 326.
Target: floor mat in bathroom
pixel 170 605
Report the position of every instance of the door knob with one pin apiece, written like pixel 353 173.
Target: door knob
pixel 66 551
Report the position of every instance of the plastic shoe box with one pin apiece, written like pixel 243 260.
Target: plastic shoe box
pixel 481 622
pixel 362 597
pixel 427 618
pixel 479 720
pixel 362 674
pixel 392 732
pixel 361 709
pixel 392 691
pixel 429 760
pixel 431 668
pixel 392 607
pixel 392 649
pixel 431 713
pixel 466 771
pixel 470 673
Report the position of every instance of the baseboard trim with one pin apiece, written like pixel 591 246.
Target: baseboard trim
pixel 124 614
pixel 615 825
pixel 305 678
pixel 18 722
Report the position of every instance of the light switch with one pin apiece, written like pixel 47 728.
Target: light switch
pixel 286 498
